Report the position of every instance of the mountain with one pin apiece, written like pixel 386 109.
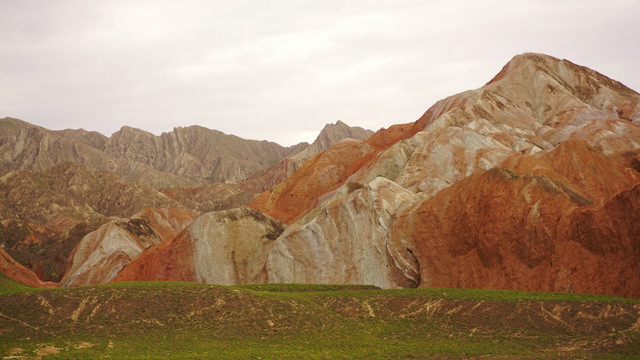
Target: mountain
pixel 529 182
pixel 57 186
pixel 185 157
pixel 503 179
pixel 528 107
pixel 330 135
pixel 197 154
pixel 46 213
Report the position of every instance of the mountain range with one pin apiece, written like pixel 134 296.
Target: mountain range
pixel 58 186
pixel 529 182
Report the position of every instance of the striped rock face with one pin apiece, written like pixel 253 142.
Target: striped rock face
pixel 101 254
pixel 226 247
pixel 346 241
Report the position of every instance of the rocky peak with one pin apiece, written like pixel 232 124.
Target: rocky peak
pixel 330 135
pixel 544 84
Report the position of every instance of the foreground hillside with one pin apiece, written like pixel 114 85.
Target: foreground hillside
pixel 190 320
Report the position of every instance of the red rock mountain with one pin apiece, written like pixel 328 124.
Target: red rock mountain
pixel 529 182
pixel 330 135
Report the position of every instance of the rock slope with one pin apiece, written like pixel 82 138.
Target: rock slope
pixel 16 271
pixel 225 247
pixel 101 254
pixel 348 242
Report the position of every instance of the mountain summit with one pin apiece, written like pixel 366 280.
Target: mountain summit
pixel 529 182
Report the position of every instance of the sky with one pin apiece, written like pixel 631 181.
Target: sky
pixel 280 70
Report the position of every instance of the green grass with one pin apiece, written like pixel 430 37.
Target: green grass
pixel 153 320
pixel 9 286
pixel 509 295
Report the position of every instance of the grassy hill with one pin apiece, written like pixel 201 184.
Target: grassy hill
pixel 148 320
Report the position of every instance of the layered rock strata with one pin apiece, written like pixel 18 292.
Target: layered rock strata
pixel 226 247
pixel 101 254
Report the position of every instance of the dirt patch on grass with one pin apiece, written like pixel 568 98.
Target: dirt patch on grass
pixel 48 350
pixel 84 345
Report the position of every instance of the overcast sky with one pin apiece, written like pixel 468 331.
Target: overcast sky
pixel 279 70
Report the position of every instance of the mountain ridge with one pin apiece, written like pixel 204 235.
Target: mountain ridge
pixel 185 157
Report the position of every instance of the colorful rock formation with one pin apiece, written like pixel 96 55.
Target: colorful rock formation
pixel 101 254
pixel 225 247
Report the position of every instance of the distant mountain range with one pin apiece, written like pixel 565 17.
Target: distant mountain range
pixel 190 156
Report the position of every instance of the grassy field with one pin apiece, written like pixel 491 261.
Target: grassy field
pixel 160 320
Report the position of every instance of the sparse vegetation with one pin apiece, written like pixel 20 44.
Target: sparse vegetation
pixel 149 320
pixel 512 174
